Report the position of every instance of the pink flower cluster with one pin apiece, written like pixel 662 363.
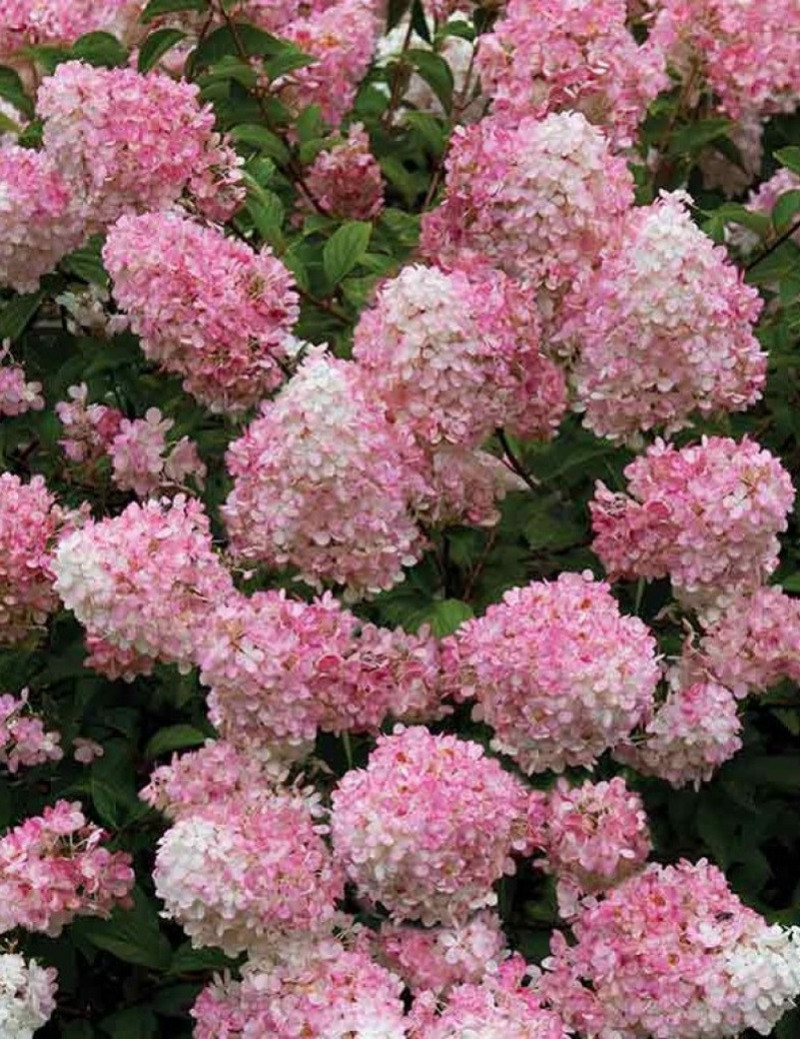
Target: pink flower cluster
pixel 672 952
pixel 17 395
pixel 537 198
pixel 428 826
pixel 706 515
pixel 574 55
pixel 30 520
pixel 558 672
pixel 250 874
pixel 54 868
pixel 592 836
pixel 144 581
pixel 206 307
pixel 36 22
pixel 330 991
pixel 322 482
pixel 688 737
pixel 455 355
pixel 27 995
pixel 444 956
pixel 346 181
pixel 140 462
pixel 663 327
pixel 90 428
pixel 23 738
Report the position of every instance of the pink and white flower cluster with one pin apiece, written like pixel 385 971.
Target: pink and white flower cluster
pixel 23 739
pixel 27 995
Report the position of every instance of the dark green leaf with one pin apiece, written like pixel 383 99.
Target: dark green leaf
pixel 446 615
pixel 17 313
pixel 174 738
pixel 785 210
pixel 241 40
pixel 100 48
pixel 13 90
pixel 693 138
pixel 156 8
pixel 132 935
pixel 139 1021
pixel 287 61
pixel 156 46
pixel 344 249
pixel 265 140
pixel 436 72
pixel 790 158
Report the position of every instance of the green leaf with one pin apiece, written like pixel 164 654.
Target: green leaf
pixel 139 1021
pixel 156 46
pixel 790 158
pixel 292 58
pixel 431 129
pixel 156 8
pixel 267 211
pixel 87 263
pixel 174 738
pixel 446 615
pixel 241 40
pixel 100 48
pixel 343 250
pixel 17 313
pixel 186 959
pixel 785 210
pixel 262 139
pixel 12 89
pixel 132 935
pixel 436 72
pixel 696 136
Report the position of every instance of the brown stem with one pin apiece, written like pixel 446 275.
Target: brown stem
pixel 513 461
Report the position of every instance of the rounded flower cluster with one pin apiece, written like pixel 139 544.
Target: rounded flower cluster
pixel 90 428
pixel 571 54
pixel 206 307
pixel 663 327
pixel 428 826
pixel 29 523
pixel 536 198
pixel 558 672
pixel 346 181
pixel 672 952
pixel 27 996
pixel 145 580
pixel 455 355
pixel 323 482
pixel 53 868
pixel 26 23
pixel 330 991
pixel 23 738
pixel 140 462
pixel 756 642
pixel 748 52
pixel 37 222
pixel 500 1005
pixel 128 143
pixel 248 874
pixel 17 395
pixel 688 738
pixel 706 515
pixel 592 836
pixel 439 958
pixel 465 487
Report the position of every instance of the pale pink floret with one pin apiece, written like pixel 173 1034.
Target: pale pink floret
pixel 128 143
pixel 557 671
pixel 536 198
pixel 90 428
pixel 27 995
pixel 346 181
pixel 206 307
pixel 673 952
pixel 578 55
pixel 35 22
pixel 323 481
pixel 144 463
pixel 17 394
pixel 146 580
pixel 327 990
pixel 429 826
pixel 249 874
pixel 707 516
pixel 54 868
pixel 30 521
pixel 663 328
pixel 23 738
pixel 453 355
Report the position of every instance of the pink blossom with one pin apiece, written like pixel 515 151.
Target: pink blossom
pixel 23 738
pixel 35 22
pixel 17 395
pixel 90 428
pixel 27 995
pixel 346 181
pixel 141 461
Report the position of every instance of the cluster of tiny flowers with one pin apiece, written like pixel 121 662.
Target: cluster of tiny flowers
pixel 322 481
pixel 756 642
pixel 346 182
pixel 248 874
pixel 215 774
pixel 748 52
pixel 455 355
pixel 592 836
pixel 90 428
pixel 428 826
pixel 762 201
pixel 115 662
pixel 145 580
pixel 536 198
pixel 26 23
pixel 688 737
pixel 707 516
pixel 17 395
pixel 143 463
pixel 663 327
pixel 37 222
pixel 571 54
pixel 329 991
pixel 129 143
pixel 27 996
pixel 29 523
pixel 673 952
pixel 558 672
pixel 206 307
pixel 444 956
pixel 54 868
pixel 500 1005
pixel 23 739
